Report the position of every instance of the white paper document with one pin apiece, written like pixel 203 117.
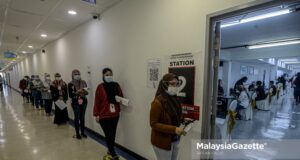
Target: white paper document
pixel 122 100
pixel 61 104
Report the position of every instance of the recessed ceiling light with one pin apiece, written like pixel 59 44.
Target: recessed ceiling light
pixel 24 52
pixel 72 12
pixel 30 46
pixel 44 35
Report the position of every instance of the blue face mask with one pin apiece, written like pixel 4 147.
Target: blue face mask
pixel 77 77
pixel 108 79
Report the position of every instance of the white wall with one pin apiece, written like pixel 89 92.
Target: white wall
pixel 235 73
pixel 124 39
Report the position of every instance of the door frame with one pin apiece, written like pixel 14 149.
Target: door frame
pixel 212 59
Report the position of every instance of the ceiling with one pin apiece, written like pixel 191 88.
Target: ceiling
pixel 23 21
pixel 234 39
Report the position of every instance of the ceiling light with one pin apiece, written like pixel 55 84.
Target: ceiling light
pixel 44 35
pixel 30 46
pixel 71 12
pixel 24 52
pixel 292 62
pixel 259 17
pixel 274 44
pixel 285 60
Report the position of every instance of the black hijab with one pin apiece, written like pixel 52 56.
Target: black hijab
pixel 111 88
pixel 170 103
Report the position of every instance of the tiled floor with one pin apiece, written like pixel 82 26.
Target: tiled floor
pixel 27 134
pixel 281 122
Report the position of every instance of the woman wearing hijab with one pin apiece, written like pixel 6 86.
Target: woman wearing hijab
pixel 107 110
pixel 59 91
pixel 77 92
pixel 165 119
pixel 46 95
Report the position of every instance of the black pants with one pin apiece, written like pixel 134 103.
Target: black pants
pixel 297 95
pixel 48 105
pixel 109 127
pixel 79 116
pixel 31 97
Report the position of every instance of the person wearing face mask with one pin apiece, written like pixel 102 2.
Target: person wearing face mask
pixel 107 110
pixel 46 95
pixel 38 85
pixel 59 91
pixel 23 88
pixel 165 119
pixel 77 92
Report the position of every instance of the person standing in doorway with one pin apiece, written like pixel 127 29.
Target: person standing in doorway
pixel 47 95
pixel 107 110
pixel 296 84
pixel 77 92
pixel 59 91
pixel 165 119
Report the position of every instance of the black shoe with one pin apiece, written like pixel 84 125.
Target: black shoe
pixel 83 135
pixel 77 136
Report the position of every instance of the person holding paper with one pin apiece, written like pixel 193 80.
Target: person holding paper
pixel 165 119
pixel 77 93
pixel 59 92
pixel 23 88
pixel 46 94
pixel 107 110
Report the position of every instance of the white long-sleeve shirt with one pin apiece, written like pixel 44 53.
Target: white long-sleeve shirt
pixel 244 99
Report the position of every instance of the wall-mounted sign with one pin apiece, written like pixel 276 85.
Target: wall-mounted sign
pixel 90 1
pixel 183 65
pixel 153 72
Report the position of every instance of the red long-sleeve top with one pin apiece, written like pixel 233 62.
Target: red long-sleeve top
pixel 102 105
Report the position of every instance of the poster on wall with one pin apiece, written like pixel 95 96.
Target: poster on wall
pixel 250 70
pixel 244 70
pixel 183 65
pixel 153 72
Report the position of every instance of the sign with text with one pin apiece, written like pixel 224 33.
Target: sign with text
pixel 90 1
pixel 183 65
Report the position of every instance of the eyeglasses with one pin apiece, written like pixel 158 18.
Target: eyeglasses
pixel 173 83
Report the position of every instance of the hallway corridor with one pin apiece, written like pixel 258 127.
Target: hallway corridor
pixel 28 134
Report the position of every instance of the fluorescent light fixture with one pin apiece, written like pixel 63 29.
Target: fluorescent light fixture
pixel 44 35
pixel 261 59
pixel 30 46
pixel 259 17
pixel 288 60
pixel 274 44
pixel 24 52
pixel 292 62
pixel 72 12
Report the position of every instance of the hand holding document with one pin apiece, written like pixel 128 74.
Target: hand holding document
pixel 122 100
pixel 187 126
pixel 61 104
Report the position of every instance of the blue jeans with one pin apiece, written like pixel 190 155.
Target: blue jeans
pixel 79 115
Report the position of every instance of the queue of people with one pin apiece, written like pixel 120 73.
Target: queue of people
pixel 43 94
pixel 165 114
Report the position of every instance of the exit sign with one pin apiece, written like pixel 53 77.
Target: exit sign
pixel 90 1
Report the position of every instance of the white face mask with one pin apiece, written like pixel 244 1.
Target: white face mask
pixel 58 78
pixel 172 91
pixel 77 77
pixel 108 79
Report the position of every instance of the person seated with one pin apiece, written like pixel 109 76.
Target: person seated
pixel 260 92
pixel 243 100
pixel 272 88
pixel 252 86
pixel 220 88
